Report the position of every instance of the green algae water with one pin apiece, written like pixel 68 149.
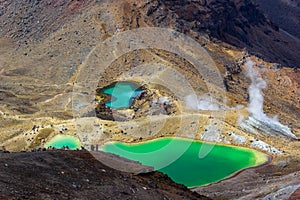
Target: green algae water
pixel 189 162
pixel 122 94
pixel 60 141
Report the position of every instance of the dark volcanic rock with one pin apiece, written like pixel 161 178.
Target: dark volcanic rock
pixel 147 103
pixel 78 175
pixel 285 13
pixel 239 23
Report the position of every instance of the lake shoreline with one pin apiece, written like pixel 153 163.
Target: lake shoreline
pixel 270 159
pixel 261 158
pixel 194 139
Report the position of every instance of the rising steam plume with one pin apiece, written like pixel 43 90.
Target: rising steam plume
pixel 257 115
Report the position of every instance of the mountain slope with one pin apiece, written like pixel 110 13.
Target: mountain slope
pixel 285 13
pixel 78 175
pixel 237 22
pixel 44 44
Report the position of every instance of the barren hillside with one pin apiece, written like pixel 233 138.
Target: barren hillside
pixel 56 55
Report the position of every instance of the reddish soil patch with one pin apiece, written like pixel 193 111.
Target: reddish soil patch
pixel 75 6
pixel 295 195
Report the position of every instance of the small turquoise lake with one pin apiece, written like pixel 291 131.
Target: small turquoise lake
pixel 60 141
pixel 122 94
pixel 189 162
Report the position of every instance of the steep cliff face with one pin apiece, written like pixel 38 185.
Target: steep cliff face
pixel 239 23
pixel 285 13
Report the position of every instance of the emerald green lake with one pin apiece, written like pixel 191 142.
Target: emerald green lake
pixel 179 158
pixel 60 141
pixel 122 94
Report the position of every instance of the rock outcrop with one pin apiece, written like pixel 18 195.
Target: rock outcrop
pixel 239 23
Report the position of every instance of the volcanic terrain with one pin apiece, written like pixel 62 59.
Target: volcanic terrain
pixel 51 50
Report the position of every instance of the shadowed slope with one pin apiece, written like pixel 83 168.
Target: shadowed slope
pixel 78 175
